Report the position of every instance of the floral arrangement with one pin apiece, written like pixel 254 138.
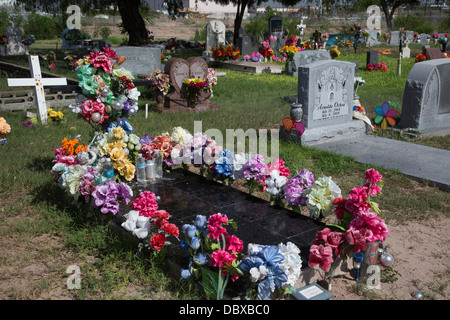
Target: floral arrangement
pixel 380 66
pixel 160 81
pixel 265 48
pixel 359 223
pixel 420 57
pixel 289 51
pixel 194 86
pixel 109 93
pixel 334 52
pixel 435 36
pixel 291 41
pixel 225 52
pixel 54 116
pixel 358 82
pixel 209 244
pixel 211 78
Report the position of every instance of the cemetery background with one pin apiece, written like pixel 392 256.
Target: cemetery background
pixel 34 216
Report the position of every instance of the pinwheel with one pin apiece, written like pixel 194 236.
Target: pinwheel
pixel 385 115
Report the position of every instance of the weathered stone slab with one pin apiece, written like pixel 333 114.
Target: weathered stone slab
pixel 253 67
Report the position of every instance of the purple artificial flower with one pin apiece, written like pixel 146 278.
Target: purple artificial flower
pixel 296 186
pixel 146 139
pixel 107 196
pixel 28 124
pixel 255 168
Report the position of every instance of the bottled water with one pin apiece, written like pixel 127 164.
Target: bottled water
pixel 140 168
pixel 158 165
pixel 108 169
pixel 150 170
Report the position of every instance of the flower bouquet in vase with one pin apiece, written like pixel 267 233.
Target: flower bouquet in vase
pixel 194 87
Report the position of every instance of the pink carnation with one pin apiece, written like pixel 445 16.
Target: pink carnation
pixel 233 244
pixel 373 176
pixel 101 60
pixel 322 256
pixel 146 204
pixel 330 238
pixel 278 164
pixel 220 257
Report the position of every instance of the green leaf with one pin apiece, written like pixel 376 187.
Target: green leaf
pixel 336 226
pixel 210 284
pixel 375 207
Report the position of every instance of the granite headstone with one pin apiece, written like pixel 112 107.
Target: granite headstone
pixel 395 38
pixel 423 38
pixel 140 60
pixel 372 57
pixel 426 99
pixel 305 57
pixel 372 38
pixel 433 53
pixel 14 45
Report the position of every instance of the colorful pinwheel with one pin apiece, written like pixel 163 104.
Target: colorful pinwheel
pixel 385 115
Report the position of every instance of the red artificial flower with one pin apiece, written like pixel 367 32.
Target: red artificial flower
pixel 157 241
pixel 322 256
pixel 170 229
pixel 233 244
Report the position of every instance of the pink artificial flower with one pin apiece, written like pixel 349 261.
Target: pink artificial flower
pixel 146 204
pixel 233 244
pixel 372 189
pixel 358 195
pixel 110 53
pixel 355 238
pixel 329 238
pixel 101 60
pixel 378 229
pixel 217 219
pixel 52 65
pixel 215 229
pixel 373 176
pixel 278 164
pixel 322 256
pixel 339 210
pixel 220 257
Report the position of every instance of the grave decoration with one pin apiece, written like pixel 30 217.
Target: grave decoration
pixel 179 98
pixel 225 52
pixel 82 170
pixel 359 227
pixel 385 115
pixel 5 128
pixel 109 95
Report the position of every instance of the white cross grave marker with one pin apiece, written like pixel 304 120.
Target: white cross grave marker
pixel 38 82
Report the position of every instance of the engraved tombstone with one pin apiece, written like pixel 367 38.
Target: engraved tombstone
pixel 325 89
pixel 305 57
pixel 140 60
pixel 433 53
pixel 215 35
pixel 372 38
pixel 423 38
pixel 426 99
pixel 247 44
pixel 14 45
pixel 325 93
pixel 395 38
pixel 176 99
pixel 372 57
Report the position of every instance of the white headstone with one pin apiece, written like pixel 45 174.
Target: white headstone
pixel 38 82
pixel 140 60
pixel 215 34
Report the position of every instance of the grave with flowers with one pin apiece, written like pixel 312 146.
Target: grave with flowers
pixel 229 241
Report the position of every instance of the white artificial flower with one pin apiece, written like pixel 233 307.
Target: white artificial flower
pixel 275 182
pixel 257 274
pixel 138 225
pixel 134 94
pixel 181 136
pixel 292 263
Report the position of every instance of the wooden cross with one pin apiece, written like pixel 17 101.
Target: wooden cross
pixel 38 82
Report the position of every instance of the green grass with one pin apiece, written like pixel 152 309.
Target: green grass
pixel 33 206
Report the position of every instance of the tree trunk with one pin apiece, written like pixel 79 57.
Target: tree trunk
pixel 238 19
pixel 132 22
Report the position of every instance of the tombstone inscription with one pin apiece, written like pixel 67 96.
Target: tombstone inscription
pixel 426 99
pixel 140 60
pixel 433 53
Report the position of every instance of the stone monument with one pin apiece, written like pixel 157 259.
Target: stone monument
pixel 14 45
pixel 305 57
pixel 426 99
pixel 215 35
pixel 325 94
pixel 140 60
pixel 176 99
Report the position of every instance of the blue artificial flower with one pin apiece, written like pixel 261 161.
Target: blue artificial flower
pixel 224 163
pixel 185 274
pixel 189 230
pixel 201 258
pixel 271 255
pixel 195 243
pixel 250 262
pixel 200 221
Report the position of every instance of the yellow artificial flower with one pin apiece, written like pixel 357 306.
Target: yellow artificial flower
pixel 118 133
pixel 119 144
pixel 127 170
pixel 117 154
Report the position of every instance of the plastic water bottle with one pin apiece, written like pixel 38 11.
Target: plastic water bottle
pixel 158 165
pixel 150 170
pixel 140 168
pixel 108 169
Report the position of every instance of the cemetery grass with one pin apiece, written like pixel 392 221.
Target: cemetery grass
pixel 42 233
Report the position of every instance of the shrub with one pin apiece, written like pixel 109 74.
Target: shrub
pixel 43 27
pixel 414 23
